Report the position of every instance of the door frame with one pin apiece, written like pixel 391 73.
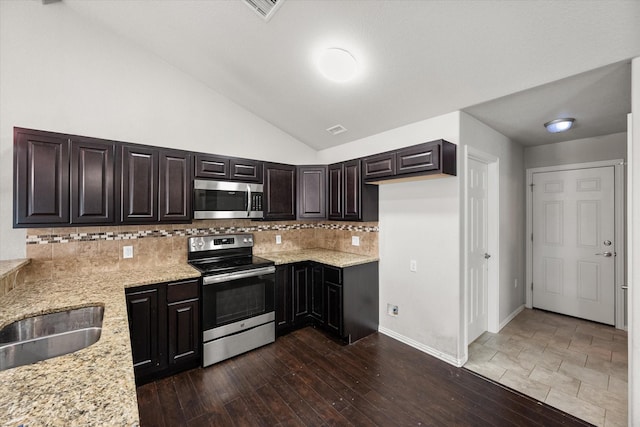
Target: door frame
pixel 619 226
pixel 493 238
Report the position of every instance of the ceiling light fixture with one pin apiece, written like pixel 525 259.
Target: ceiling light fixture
pixel 337 64
pixel 559 125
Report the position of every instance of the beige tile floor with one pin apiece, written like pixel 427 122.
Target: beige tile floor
pixel 574 365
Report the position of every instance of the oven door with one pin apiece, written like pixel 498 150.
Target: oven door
pixel 231 297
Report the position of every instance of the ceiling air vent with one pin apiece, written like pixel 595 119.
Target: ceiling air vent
pixel 264 8
pixel 337 130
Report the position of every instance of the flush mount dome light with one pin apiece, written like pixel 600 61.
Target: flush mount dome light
pixel 559 125
pixel 337 64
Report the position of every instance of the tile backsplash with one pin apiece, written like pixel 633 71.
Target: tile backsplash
pixel 61 252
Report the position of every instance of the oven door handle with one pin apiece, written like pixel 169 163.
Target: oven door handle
pixel 248 201
pixel 227 277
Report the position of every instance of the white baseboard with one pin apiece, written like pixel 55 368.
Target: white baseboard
pixel 423 348
pixel 511 317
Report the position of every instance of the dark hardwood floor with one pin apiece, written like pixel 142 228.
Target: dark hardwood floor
pixel 307 379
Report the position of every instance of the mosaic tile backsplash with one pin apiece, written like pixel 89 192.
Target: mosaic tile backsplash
pixel 63 252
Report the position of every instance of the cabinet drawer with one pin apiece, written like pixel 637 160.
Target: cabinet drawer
pixel 245 170
pixel 421 158
pixel 381 165
pixel 211 167
pixel 180 291
pixel 333 275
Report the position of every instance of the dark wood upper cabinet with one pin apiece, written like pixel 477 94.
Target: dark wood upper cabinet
pixel 349 198
pixel 208 166
pixel 279 191
pixel 312 192
pixel 352 190
pixel 421 158
pixel 139 175
pixel 335 191
pixel 245 170
pixel 41 183
pixel 175 186
pixel 434 158
pixel 379 166
pixel 92 181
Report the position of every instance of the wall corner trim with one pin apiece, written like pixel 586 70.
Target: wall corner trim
pixel 423 348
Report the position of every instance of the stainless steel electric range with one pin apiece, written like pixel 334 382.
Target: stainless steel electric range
pixel 238 291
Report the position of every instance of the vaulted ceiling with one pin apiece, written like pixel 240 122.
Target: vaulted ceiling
pixel 419 59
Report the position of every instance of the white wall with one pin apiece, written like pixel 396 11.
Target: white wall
pixel 60 73
pixel 420 221
pixel 633 260
pixel 512 208
pixel 606 147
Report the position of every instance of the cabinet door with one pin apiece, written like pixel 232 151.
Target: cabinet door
pixel 317 293
pixel 184 329
pixel 41 186
pixel 279 191
pixel 336 189
pixel 300 292
pixel 92 181
pixel 419 158
pixel 284 298
pixel 175 186
pixel 333 307
pixel 215 167
pixel 379 166
pixel 139 174
pixel 148 336
pixel 312 192
pixel 352 184
pixel 245 170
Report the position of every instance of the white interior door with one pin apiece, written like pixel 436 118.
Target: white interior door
pixel 573 243
pixel 477 257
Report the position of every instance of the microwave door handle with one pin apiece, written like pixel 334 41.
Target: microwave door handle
pixel 248 200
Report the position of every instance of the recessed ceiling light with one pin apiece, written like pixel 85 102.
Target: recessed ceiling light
pixel 337 64
pixel 559 125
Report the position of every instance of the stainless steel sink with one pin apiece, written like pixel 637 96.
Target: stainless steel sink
pixel 49 335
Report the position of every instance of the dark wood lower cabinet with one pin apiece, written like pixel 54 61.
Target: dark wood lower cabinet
pixel 164 327
pixel 343 301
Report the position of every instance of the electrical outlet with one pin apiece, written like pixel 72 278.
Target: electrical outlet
pixel 127 252
pixel 392 310
pixel 355 240
pixel 278 239
pixel 413 265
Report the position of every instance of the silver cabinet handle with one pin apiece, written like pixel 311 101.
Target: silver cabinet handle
pixel 605 254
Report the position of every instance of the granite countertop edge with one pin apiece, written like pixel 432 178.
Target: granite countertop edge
pixel 8 267
pixel 92 386
pixel 323 256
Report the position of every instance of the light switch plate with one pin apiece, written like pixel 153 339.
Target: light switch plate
pixel 413 265
pixel 127 252
pixel 278 239
pixel 355 240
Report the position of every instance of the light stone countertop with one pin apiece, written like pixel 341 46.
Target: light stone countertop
pixel 323 256
pixel 9 266
pixel 94 386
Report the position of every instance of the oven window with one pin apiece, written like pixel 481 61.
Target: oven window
pixel 239 303
pixel 235 300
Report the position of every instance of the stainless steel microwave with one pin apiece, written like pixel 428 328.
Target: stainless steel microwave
pixel 224 199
